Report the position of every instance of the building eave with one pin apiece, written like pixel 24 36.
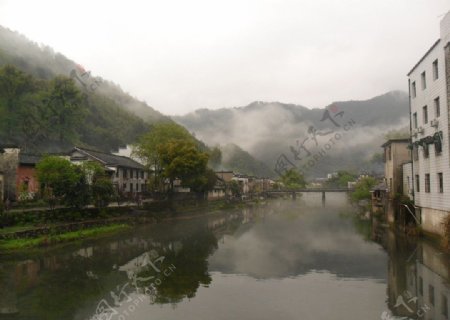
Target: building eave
pixel 424 56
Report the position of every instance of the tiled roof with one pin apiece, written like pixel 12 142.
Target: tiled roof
pixel 111 159
pixel 30 159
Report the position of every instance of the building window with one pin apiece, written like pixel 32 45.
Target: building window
pixel 431 294
pixel 440 177
pixel 131 187
pixel 415 120
pixel 435 70
pixel 413 89
pixel 390 184
pixel 137 187
pixel 417 183
pixel 416 153
pixel 444 305
pixel 424 80
pixel 426 150
pixel 427 183
pixel 125 173
pixel 142 187
pixel 437 107
pixel 142 174
pixel 117 173
pixel 408 185
pixel 124 187
pixel 425 114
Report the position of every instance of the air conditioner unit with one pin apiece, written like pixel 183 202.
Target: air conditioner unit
pixel 420 130
pixel 434 123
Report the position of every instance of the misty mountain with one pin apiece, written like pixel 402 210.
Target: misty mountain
pixel 238 160
pixel 270 130
pixel 43 62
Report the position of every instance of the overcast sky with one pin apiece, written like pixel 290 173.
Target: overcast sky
pixel 181 55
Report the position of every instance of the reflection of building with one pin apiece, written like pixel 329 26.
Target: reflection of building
pixel 428 84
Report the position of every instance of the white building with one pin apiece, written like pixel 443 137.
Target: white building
pixel 428 86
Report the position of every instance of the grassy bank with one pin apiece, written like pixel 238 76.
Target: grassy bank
pixel 15 244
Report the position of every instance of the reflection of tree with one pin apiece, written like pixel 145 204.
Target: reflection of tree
pixel 191 269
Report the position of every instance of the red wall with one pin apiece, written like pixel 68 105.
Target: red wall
pixel 25 173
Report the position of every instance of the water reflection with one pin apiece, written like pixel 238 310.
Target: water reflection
pixel 289 259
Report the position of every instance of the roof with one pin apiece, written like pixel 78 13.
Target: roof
pixel 29 159
pixel 390 141
pixel 424 56
pixel 111 159
pixel 381 186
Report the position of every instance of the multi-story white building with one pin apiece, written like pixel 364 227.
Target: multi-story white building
pixel 429 110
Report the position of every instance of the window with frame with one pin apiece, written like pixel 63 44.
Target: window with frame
pixel 415 153
pixel 435 70
pixel 437 107
pixel 426 150
pixel 417 183
pixel 415 123
pixel 427 183
pixel 423 78
pixel 413 89
pixel 444 305
pixel 425 114
pixel 431 294
pixel 440 177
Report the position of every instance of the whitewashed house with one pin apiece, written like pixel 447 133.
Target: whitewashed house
pixel 429 102
pixel 128 176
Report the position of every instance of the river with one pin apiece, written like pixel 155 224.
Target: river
pixel 284 260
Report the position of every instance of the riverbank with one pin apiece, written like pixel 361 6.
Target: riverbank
pixel 45 228
pixel 46 240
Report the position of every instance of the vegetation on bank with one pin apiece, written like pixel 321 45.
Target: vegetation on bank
pixel 16 244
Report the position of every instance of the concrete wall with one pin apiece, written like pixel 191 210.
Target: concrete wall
pixel 434 205
pixel 407 180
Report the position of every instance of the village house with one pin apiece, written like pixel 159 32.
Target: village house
pixel 18 180
pixel 429 116
pixel 128 176
pixel 385 196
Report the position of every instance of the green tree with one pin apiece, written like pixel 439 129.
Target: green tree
pixel 65 110
pixel 62 180
pixel 292 179
pixel 14 89
pixel 215 158
pixel 362 188
pixel 101 187
pixel 149 146
pixel 341 179
pixel 183 160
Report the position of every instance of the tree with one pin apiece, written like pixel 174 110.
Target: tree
pixel 183 160
pixel 215 158
pixel 14 88
pixel 62 180
pixel 341 179
pixel 149 145
pixel 64 107
pixel 101 187
pixel 293 179
pixel 363 187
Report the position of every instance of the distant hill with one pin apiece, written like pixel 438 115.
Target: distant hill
pixel 43 62
pixel 268 130
pixel 113 118
pixel 240 161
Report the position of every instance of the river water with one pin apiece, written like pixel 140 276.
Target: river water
pixel 284 260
